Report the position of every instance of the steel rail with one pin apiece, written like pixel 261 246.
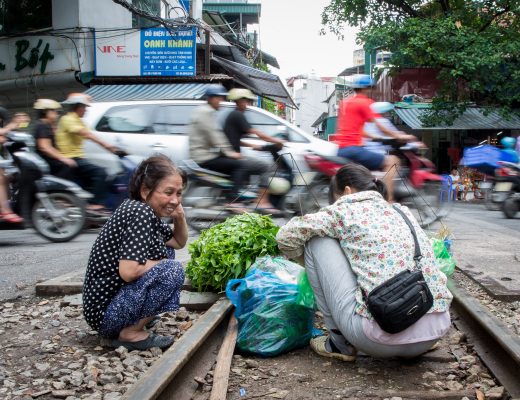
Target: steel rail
pixel 496 345
pixel 193 355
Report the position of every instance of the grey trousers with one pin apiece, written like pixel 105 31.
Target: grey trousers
pixel 335 284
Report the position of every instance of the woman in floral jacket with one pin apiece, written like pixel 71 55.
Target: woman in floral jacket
pixel 354 245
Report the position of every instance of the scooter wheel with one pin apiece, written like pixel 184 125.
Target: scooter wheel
pixel 510 207
pixel 66 221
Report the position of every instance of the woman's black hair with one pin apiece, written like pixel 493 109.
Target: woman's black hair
pixel 150 172
pixel 357 177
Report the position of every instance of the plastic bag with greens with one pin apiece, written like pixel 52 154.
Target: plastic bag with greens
pixel 444 259
pixel 274 307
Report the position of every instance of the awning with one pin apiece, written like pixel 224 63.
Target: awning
pixel 472 118
pixel 320 119
pixel 262 83
pixel 162 91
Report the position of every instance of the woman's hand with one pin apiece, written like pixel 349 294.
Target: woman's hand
pixel 180 229
pixel 178 213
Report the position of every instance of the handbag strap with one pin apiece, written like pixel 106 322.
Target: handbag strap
pixel 417 254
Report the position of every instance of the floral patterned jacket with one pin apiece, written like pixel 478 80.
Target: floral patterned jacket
pixel 376 240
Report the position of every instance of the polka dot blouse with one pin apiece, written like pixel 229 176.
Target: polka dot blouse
pixel 133 232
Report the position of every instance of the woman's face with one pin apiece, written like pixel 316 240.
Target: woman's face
pixel 166 197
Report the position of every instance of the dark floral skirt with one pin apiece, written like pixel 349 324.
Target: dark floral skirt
pixel 156 292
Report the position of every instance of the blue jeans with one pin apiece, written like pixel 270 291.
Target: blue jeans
pixel 361 155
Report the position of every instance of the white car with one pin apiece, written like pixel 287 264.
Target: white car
pixel 161 126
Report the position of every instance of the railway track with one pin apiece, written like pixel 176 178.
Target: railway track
pixel 177 374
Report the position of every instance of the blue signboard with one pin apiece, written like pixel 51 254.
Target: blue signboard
pixel 168 53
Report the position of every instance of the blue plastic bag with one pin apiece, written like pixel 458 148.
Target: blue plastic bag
pixel 274 308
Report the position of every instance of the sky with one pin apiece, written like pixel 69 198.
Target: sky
pixel 289 30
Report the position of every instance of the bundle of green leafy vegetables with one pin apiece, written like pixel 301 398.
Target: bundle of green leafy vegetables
pixel 226 251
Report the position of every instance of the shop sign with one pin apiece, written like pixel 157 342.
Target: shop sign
pixel 148 52
pixel 29 56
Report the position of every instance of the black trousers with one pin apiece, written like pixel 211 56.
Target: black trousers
pixel 235 168
pixel 93 179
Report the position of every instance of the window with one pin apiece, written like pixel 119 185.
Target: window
pixel 129 119
pixel 262 122
pixel 173 120
pixel 18 16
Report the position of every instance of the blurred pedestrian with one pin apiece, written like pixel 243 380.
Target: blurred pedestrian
pixel 47 112
pixel 237 127
pixel 70 136
pixel 353 246
pixel 6 212
pixel 131 274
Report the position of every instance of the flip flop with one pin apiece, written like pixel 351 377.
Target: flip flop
pixel 12 218
pixel 153 340
pixel 153 322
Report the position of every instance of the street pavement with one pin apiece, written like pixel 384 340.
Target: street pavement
pixel 485 243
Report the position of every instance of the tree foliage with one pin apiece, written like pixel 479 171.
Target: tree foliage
pixel 475 45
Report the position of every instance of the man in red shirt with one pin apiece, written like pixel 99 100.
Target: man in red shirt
pixel 353 113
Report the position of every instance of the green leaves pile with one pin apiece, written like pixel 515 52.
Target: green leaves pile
pixel 225 251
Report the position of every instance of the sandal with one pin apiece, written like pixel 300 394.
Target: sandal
pixel 153 322
pixel 12 218
pixel 319 345
pixel 153 340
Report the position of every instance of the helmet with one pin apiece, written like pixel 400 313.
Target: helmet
pixel 78 98
pixel 279 186
pixel 360 81
pixel 237 94
pixel 46 104
pixel 381 107
pixel 508 142
pixel 216 90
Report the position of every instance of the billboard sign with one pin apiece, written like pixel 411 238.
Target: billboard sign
pixel 147 52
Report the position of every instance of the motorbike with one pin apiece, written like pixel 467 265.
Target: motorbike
pixel 55 207
pixel 510 184
pixel 208 191
pixel 417 185
pixel 501 186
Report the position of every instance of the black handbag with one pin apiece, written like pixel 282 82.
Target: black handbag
pixel 402 300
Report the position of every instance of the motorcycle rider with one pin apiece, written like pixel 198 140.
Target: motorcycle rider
pixel 354 112
pixel 209 146
pixel 43 133
pixel 6 213
pixel 237 127
pixel 70 135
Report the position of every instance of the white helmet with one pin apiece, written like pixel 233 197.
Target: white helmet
pixel 279 186
pixel 46 104
pixel 78 98
pixel 239 93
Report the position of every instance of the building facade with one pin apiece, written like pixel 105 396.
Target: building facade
pixel 310 93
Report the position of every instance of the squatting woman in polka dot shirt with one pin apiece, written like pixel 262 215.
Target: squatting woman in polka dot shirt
pixel 131 274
